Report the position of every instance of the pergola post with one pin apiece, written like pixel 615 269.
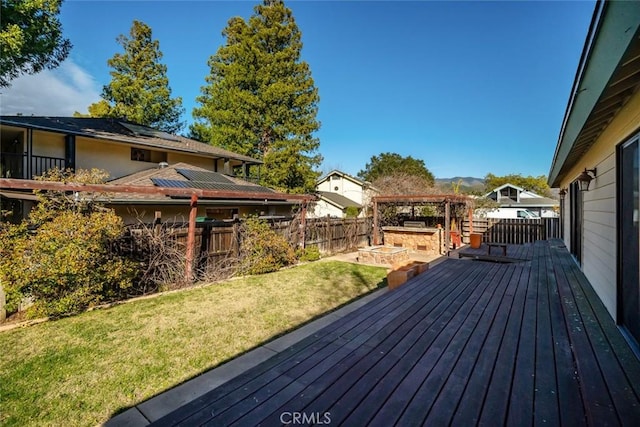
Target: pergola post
pixel 447 225
pixel 191 238
pixel 375 223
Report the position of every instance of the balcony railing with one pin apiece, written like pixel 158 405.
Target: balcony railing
pixel 14 165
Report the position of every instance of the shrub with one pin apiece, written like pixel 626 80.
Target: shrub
pixel 62 257
pixel 310 253
pixel 352 212
pixel 262 250
pixel 13 241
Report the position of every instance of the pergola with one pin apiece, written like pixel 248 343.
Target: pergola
pixel 448 201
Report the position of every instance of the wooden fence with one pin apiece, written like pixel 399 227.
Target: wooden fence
pixel 513 231
pixel 216 241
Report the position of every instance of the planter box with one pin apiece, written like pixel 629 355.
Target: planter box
pixel 398 276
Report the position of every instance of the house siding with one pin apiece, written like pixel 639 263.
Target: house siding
pixel 599 229
pixel 323 208
pixel 113 157
pixel 48 144
pixel 203 162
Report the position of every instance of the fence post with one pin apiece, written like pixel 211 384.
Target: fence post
pixel 191 238
pixel 303 225
pixel 3 303
pixel 157 223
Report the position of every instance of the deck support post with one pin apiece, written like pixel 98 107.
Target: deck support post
pixel 191 238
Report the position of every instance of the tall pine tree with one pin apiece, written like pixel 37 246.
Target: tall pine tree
pixel 139 88
pixel 260 99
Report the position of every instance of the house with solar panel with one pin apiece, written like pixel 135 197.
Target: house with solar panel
pixel 132 155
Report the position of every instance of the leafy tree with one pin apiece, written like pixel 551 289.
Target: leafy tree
pixel 30 38
pixel 260 99
pixel 387 164
pixel 402 183
pixel 139 88
pixel 537 184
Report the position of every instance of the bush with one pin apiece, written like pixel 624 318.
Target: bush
pixel 13 241
pixel 310 253
pixel 262 250
pixel 62 257
pixel 67 264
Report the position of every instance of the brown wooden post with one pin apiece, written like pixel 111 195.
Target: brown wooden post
pixel 157 223
pixel 375 223
pixel 303 225
pixel 3 302
pixel 191 238
pixel 447 225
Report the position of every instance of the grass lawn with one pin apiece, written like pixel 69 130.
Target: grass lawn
pixel 84 369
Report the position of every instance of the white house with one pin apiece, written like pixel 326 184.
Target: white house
pixel 596 162
pixel 516 202
pixel 338 191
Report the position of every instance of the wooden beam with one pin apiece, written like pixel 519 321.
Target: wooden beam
pixel 29 184
pixel 191 239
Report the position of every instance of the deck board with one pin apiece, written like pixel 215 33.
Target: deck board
pixel 465 343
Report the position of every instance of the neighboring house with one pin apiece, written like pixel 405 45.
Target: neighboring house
pixel 338 191
pixel 599 142
pixel 29 146
pixel 133 206
pixel 516 202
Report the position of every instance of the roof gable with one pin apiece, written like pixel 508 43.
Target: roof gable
pixel 338 200
pixel 345 176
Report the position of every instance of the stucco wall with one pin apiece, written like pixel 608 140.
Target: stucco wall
pixel 599 233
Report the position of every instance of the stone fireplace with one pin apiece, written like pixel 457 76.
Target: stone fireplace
pixel 425 240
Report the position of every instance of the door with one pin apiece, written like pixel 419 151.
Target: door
pixel 628 236
pixel 575 221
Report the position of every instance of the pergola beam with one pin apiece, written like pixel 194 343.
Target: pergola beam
pixel 29 184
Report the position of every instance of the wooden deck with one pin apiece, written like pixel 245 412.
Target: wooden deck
pixel 465 343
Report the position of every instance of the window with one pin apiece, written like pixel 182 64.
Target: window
pixel 142 155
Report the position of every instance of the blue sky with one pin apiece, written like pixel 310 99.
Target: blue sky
pixel 468 87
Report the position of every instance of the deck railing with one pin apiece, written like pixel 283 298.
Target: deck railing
pixel 14 165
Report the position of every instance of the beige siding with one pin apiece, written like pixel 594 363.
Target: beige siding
pixel 113 157
pixel 203 162
pixel 599 233
pixel 48 144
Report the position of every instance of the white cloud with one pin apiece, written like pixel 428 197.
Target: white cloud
pixel 58 92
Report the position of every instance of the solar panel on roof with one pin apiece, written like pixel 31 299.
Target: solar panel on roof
pixel 203 176
pixel 146 131
pixel 171 183
pixel 229 187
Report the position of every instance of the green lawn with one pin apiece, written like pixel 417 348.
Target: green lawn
pixel 84 369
